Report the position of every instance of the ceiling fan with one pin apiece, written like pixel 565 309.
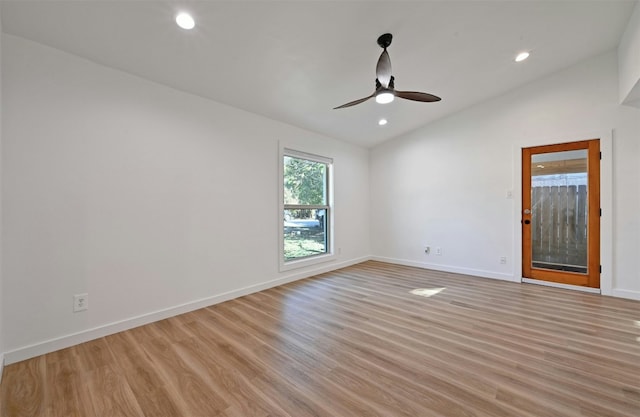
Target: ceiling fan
pixel 385 89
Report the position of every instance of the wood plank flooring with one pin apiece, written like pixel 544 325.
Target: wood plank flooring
pixel 355 342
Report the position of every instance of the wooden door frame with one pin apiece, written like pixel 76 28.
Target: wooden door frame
pixel 606 203
pixel 592 278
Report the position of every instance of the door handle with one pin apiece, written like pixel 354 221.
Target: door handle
pixel 527 221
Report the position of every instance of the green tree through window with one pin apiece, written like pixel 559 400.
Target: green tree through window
pixel 304 181
pixel 306 207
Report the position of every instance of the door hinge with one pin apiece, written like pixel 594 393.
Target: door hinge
pixel 600 155
pixel 601 269
pixel 600 212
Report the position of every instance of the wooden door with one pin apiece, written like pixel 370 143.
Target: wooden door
pixel 561 213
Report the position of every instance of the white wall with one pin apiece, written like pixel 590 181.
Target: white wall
pixel 446 184
pixel 629 60
pixel 151 200
pixel 1 277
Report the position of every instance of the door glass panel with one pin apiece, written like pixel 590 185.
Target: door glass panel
pixel 559 211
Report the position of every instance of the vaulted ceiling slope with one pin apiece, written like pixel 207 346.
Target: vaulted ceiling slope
pixel 295 61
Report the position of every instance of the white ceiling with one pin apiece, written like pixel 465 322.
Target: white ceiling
pixel 295 61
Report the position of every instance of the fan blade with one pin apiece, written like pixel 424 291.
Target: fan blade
pixel 353 103
pixel 416 96
pixel 383 69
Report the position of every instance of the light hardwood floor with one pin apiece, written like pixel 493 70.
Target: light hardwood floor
pixel 355 342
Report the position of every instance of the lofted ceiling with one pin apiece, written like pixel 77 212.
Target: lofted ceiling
pixel 294 61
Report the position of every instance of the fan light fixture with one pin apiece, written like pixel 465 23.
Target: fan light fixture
pixel 384 97
pixel 522 56
pixel 385 90
pixel 382 122
pixel 185 21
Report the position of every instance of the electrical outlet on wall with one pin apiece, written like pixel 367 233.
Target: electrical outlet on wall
pixel 438 251
pixel 427 250
pixel 503 259
pixel 80 302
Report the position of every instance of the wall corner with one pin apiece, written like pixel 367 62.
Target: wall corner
pixel 629 61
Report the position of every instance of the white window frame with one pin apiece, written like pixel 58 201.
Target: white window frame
pixel 329 217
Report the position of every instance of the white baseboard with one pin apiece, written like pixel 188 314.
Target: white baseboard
pixel 73 339
pixel 448 268
pixel 632 295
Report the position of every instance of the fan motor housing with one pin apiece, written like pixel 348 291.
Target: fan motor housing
pixel 385 40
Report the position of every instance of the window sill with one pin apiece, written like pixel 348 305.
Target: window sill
pixel 291 265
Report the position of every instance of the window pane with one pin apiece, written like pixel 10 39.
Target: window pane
pixel 305 182
pixel 305 233
pixel 559 211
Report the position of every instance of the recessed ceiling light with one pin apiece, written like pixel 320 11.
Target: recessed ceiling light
pixel 185 21
pixel 382 122
pixel 522 56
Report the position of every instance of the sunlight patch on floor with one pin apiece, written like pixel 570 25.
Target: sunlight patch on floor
pixel 427 292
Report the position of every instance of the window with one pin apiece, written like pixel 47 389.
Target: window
pixel 306 208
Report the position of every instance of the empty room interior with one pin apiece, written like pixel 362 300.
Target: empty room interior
pixel 320 208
